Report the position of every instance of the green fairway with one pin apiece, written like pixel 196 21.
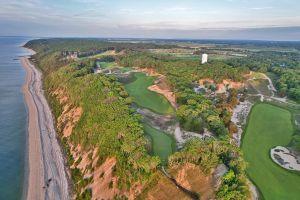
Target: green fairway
pixel 146 98
pixel 107 65
pixel 269 126
pixel 163 145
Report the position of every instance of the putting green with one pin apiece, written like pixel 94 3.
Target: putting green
pixel 146 98
pixel 163 145
pixel 269 126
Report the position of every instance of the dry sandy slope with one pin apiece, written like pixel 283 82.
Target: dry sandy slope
pixel 47 178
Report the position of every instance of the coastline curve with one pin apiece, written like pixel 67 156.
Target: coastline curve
pixel 47 173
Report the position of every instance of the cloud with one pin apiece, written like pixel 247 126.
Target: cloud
pixel 99 16
pixel 261 8
pixel 38 11
pixel 197 24
pixel 88 1
pixel 178 9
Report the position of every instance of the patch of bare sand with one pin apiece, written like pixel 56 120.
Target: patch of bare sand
pixel 222 87
pixel 192 178
pixel 162 87
pixel 104 182
pixel 68 119
pixel 170 96
pixel 165 190
pixel 60 95
pixel 104 185
pixel 206 81
pixel 70 115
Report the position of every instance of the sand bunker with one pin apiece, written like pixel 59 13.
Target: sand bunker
pixel 285 158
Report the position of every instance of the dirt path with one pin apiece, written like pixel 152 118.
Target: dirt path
pixel 47 178
pixel 271 85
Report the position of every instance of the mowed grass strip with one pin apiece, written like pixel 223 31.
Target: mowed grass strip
pixel 163 145
pixel 269 126
pixel 146 98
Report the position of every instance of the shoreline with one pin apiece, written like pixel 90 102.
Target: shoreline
pixel 32 190
pixel 45 157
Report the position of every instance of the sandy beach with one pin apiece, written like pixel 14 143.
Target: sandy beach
pixel 47 174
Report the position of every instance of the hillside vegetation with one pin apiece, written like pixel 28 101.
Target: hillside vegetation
pixel 107 123
pixel 103 136
pixel 285 65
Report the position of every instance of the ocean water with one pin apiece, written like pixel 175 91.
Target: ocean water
pixel 13 119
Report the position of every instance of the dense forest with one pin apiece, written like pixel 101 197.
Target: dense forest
pixel 288 82
pixel 87 45
pixel 107 122
pixel 285 65
pixel 190 70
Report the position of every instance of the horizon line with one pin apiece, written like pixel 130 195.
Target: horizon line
pixel 146 38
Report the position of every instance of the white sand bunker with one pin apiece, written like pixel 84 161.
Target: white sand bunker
pixel 285 158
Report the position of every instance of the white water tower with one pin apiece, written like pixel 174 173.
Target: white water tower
pixel 204 58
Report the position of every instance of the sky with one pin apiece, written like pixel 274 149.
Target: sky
pixel 189 19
